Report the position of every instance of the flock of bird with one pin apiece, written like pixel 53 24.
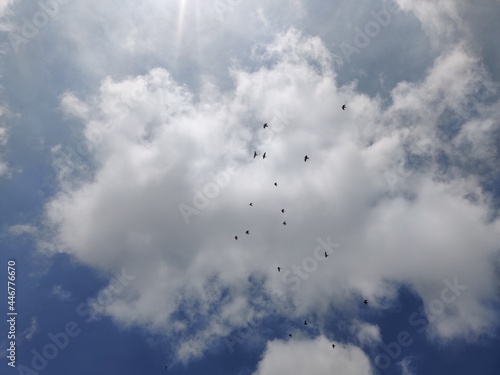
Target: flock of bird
pixel 264 155
pixel 306 158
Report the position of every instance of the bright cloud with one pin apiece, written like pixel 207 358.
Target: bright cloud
pixel 158 146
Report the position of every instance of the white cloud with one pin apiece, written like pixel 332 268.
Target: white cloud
pixel 22 229
pixel 60 293
pixel 33 328
pixel 440 20
pixel 406 367
pixel 366 333
pixel 312 357
pixel 155 143
pixel 74 106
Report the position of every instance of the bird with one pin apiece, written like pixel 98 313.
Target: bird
pixel 290 334
pixel 306 158
pixel 305 322
pixel 275 184
pixel 264 156
pixel 343 107
pixel 265 125
pixel 251 204
pixel 254 154
pixel 236 238
pixel 284 223
pixel 247 232
pixel 326 254
pixel 333 346
pixel 279 269
pixel 166 367
pixel 282 210
pixel 365 302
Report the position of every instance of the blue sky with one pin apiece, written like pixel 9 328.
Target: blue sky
pixel 127 134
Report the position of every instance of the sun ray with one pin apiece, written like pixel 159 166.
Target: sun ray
pixel 180 28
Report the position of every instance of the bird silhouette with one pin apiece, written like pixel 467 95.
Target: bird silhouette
pixel 343 107
pixel 290 334
pixel 236 238
pixel 264 156
pixel 282 210
pixel 279 269
pixel 326 254
pixel 251 204
pixel 365 302
pixel 275 184
pixel 254 154
pixel 166 367
pixel 247 232
pixel 284 223
pixel 306 158
pixel 265 125
pixel 305 322
pixel 333 346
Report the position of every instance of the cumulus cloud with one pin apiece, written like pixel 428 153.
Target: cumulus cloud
pixel 152 145
pixel 312 356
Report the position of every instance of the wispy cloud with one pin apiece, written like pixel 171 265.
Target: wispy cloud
pixel 59 293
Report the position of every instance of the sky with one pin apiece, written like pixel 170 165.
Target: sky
pixel 128 182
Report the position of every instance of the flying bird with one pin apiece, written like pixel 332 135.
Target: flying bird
pixel 166 367
pixel 306 158
pixel 254 154
pixel 305 322
pixel 247 232
pixel 265 125
pixel 326 254
pixel 236 238
pixel 343 107
pixel 290 334
pixel 282 210
pixel 251 204
pixel 279 269
pixel 284 223
pixel 275 184
pixel 365 302
pixel 264 156
pixel 333 346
